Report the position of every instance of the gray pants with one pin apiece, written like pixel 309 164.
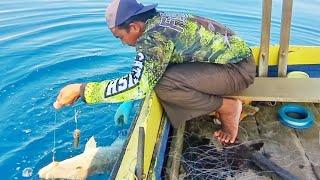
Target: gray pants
pixel 190 90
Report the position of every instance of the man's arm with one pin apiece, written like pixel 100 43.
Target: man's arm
pixel 153 55
pixel 131 86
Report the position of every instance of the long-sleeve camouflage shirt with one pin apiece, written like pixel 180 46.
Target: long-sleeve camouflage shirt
pixel 169 39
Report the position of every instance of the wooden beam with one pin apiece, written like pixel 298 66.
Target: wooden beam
pixel 140 154
pixel 282 90
pixel 284 37
pixel 265 38
pixel 177 150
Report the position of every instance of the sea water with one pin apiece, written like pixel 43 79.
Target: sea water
pixel 47 44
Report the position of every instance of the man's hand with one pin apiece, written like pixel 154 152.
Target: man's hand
pixel 67 96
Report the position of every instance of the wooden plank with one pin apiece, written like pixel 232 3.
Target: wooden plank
pixel 265 38
pixel 284 37
pixel 248 131
pixel 177 145
pixel 140 154
pixel 281 144
pixel 310 140
pixel 282 90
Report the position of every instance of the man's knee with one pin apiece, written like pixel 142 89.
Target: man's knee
pixel 162 92
pixel 175 95
pixel 166 85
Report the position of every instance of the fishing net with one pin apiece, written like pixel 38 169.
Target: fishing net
pixel 287 153
pixel 202 160
pixel 203 157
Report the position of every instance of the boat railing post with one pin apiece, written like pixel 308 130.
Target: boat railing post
pixel 284 37
pixel 265 38
pixel 177 151
pixel 140 155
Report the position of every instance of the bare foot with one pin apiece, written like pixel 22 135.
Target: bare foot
pixel 229 114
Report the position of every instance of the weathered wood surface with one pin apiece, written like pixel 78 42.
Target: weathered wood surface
pixel 284 37
pixel 282 144
pixel 248 131
pixel 282 90
pixel 173 164
pixel 265 38
pixel 310 140
pixel 178 143
pixel 295 151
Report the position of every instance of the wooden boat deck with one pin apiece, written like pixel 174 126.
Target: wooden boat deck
pixel 297 151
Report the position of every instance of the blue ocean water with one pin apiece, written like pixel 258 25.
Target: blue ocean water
pixel 47 44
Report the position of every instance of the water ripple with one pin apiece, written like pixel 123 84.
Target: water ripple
pixel 46 44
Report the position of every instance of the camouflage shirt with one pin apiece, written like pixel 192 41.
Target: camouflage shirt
pixel 168 39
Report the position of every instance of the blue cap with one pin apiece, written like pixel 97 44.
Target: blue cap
pixel 119 11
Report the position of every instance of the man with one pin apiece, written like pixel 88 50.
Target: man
pixel 188 60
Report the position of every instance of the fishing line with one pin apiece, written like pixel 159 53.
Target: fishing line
pixel 54 137
pixel 76 118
